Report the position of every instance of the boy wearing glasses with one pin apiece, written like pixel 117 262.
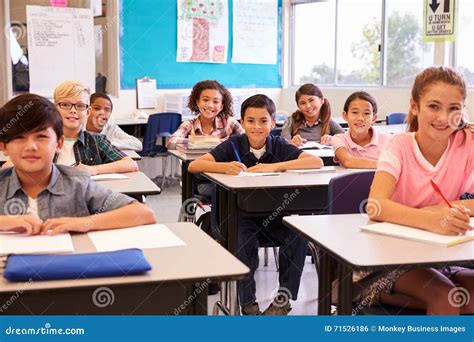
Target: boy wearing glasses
pixel 86 150
pixel 98 122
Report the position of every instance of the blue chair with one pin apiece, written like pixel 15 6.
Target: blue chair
pixel 160 125
pixel 347 194
pixel 276 132
pixel 396 118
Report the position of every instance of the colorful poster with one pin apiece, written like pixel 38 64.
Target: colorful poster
pixel 255 31
pixel 202 31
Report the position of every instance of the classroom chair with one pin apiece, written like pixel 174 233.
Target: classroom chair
pixel 347 194
pixel 159 125
pixel 276 131
pixel 396 118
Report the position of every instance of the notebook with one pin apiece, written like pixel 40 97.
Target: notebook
pixel 108 176
pixel 310 145
pixel 16 243
pixel 420 235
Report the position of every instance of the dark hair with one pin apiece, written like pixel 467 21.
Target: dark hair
pixel 28 113
pixel 324 113
pixel 258 101
pixel 362 95
pixel 208 84
pixel 428 77
pixel 101 96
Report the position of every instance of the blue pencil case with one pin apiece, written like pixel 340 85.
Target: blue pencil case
pixel 76 266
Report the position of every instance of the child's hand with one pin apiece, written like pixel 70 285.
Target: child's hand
pixel 67 224
pixel 326 140
pixel 234 168
pixel 449 221
pixel 263 168
pixel 92 170
pixel 28 224
pixel 297 140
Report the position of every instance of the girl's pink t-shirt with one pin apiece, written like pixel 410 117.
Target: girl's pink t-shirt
pixel 402 158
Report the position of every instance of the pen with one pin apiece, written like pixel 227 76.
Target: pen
pixel 235 151
pixel 438 191
pixel 75 164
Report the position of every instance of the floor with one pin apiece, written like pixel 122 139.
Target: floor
pixel 166 206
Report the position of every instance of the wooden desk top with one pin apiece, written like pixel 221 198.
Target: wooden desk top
pixel 201 258
pixel 283 180
pixel 137 184
pixel 341 235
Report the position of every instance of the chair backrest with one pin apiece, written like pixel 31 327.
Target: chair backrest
pixel 396 118
pixel 347 194
pixel 159 125
pixel 276 131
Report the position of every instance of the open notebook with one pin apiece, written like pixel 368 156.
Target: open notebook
pixel 16 243
pixel 415 234
pixel 311 145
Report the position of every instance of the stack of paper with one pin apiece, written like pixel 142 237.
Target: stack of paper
pixel 202 142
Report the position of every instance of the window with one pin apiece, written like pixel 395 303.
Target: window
pixel 407 54
pixel 364 42
pixel 465 43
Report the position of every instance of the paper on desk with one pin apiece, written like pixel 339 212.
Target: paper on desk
pixel 15 243
pixel 109 176
pixel 257 174
pixel 149 236
pixel 314 145
pixel 323 169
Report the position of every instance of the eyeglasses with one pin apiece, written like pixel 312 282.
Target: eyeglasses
pixel 68 106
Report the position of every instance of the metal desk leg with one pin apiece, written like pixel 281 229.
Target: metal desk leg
pixel 187 182
pixel 324 284
pixel 344 274
pixel 233 300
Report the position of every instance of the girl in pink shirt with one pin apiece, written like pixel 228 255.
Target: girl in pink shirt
pixel 439 146
pixel 360 146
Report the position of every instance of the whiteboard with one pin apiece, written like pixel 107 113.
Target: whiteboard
pixel 61 47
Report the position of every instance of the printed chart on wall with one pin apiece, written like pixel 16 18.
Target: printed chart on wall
pixel 202 31
pixel 61 47
pixel 255 31
pixel 439 21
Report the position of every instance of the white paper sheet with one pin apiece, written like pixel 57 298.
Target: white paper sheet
pixel 323 169
pixel 109 176
pixel 15 243
pixel 149 236
pixel 255 31
pixel 257 174
pixel 315 145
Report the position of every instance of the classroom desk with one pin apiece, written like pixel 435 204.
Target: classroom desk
pixel 187 183
pixel 177 283
pixel 137 185
pixel 391 129
pixel 326 154
pixel 340 237
pixel 286 194
pixel 132 154
pixel 131 126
